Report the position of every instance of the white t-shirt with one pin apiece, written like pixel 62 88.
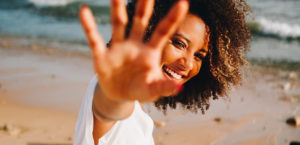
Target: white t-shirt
pixel 135 130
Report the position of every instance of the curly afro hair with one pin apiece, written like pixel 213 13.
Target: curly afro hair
pixel 229 38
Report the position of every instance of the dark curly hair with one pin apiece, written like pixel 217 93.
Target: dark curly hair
pixel 229 38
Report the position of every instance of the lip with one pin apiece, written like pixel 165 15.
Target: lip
pixel 168 75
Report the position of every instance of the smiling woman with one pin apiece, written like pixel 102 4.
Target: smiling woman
pixel 227 39
pixel 188 53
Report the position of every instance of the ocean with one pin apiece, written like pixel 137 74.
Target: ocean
pixel 275 26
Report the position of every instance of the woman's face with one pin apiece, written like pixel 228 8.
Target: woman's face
pixel 183 55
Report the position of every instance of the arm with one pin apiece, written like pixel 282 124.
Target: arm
pixel 104 106
pixel 130 70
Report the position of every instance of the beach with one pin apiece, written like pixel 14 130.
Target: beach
pixel 42 87
pixel 40 92
pixel 46 66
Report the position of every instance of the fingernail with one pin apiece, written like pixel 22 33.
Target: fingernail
pixel 179 88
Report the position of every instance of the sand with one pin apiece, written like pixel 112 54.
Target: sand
pixel 40 93
pixel 41 89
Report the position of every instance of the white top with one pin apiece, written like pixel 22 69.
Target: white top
pixel 135 130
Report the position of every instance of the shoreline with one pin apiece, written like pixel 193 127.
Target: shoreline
pixel 34 71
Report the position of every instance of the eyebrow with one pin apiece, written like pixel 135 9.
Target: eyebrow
pixel 180 35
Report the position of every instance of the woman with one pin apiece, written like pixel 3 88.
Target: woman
pixel 187 51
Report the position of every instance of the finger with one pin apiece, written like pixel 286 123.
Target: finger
pixel 143 12
pixel 119 19
pixel 169 24
pixel 96 42
pixel 90 28
pixel 164 88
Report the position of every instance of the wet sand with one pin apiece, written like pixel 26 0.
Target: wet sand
pixel 41 89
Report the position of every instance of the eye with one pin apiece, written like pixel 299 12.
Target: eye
pixel 199 56
pixel 178 43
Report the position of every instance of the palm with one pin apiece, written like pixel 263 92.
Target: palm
pixel 130 69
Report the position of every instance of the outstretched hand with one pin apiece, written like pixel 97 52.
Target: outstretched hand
pixel 130 69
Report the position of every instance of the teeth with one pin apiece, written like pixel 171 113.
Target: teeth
pixel 173 74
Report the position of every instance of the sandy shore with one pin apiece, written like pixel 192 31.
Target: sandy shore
pixel 41 90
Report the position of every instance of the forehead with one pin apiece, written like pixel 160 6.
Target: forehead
pixel 194 29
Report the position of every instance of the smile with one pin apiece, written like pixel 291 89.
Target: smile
pixel 172 73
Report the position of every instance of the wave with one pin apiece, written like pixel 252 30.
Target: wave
pixel 43 3
pixel 61 9
pixel 70 10
pixel 265 27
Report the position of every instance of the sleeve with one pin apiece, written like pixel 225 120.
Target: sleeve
pixel 84 126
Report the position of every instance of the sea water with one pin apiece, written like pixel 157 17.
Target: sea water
pixel 275 25
pixel 276 32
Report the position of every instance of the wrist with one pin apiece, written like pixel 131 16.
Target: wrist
pixel 107 109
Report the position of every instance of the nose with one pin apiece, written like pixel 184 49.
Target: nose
pixel 186 62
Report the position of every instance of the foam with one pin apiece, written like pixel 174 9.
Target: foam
pixel 42 3
pixel 280 29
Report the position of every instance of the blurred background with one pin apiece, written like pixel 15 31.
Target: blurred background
pixel 45 67
pixel 275 24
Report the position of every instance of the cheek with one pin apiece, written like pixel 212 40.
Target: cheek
pixel 169 55
pixel 196 69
